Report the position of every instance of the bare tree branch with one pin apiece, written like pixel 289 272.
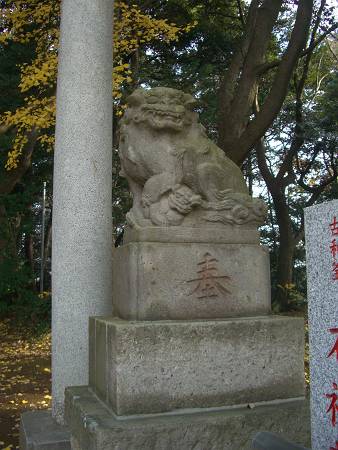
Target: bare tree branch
pixel 271 107
pixel 262 164
pixel 229 79
pixel 237 109
pixel 271 65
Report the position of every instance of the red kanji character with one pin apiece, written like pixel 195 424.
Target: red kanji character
pixel 335 271
pixel 334 248
pixel 209 282
pixel 334 227
pixel 333 407
pixel 336 447
pixel 335 347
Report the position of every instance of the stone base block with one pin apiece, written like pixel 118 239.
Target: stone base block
pixel 39 431
pixel 159 281
pixel 153 367
pixel 94 427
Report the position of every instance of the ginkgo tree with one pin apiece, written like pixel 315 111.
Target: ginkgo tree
pixel 29 37
pixel 37 22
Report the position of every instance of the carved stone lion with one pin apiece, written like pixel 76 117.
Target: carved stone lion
pixel 177 175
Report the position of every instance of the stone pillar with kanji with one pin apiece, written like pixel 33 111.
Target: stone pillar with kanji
pixel 321 234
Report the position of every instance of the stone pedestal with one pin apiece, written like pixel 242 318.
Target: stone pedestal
pixel 161 366
pixel 94 426
pixel 155 280
pixel 202 384
pixel 220 370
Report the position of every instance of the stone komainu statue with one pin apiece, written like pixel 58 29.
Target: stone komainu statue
pixel 177 175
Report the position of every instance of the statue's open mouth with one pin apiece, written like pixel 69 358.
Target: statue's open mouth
pixel 162 113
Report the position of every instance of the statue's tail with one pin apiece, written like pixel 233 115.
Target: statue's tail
pixel 236 209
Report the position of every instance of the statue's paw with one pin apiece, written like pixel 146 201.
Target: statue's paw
pixel 184 204
pixel 165 219
pixel 179 204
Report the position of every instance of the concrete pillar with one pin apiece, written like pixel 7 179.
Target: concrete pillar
pixel 82 205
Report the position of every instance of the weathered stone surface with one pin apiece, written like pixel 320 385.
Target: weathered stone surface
pixel 232 234
pixel 176 174
pixel 154 281
pixel 82 191
pixel 271 441
pixel 94 426
pixel 39 431
pixel 321 232
pixel 152 367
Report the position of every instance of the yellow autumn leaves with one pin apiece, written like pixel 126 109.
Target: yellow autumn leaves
pixel 24 377
pixel 37 113
pixel 37 22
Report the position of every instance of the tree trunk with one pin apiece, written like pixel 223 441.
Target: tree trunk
pixel 287 241
pixel 247 170
pixel 285 252
pixel 9 179
pixel 29 250
pixel 135 69
pixel 238 132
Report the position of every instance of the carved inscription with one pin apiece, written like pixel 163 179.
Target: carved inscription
pixel 334 248
pixel 208 282
pixel 333 406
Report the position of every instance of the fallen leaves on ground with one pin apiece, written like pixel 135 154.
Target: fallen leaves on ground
pixel 24 378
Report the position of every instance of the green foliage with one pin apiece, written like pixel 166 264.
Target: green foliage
pixel 12 56
pixel 327 107
pixel 18 277
pixel 18 298
pixel 194 63
pixel 15 278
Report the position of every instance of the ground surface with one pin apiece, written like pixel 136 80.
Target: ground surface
pixel 24 378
